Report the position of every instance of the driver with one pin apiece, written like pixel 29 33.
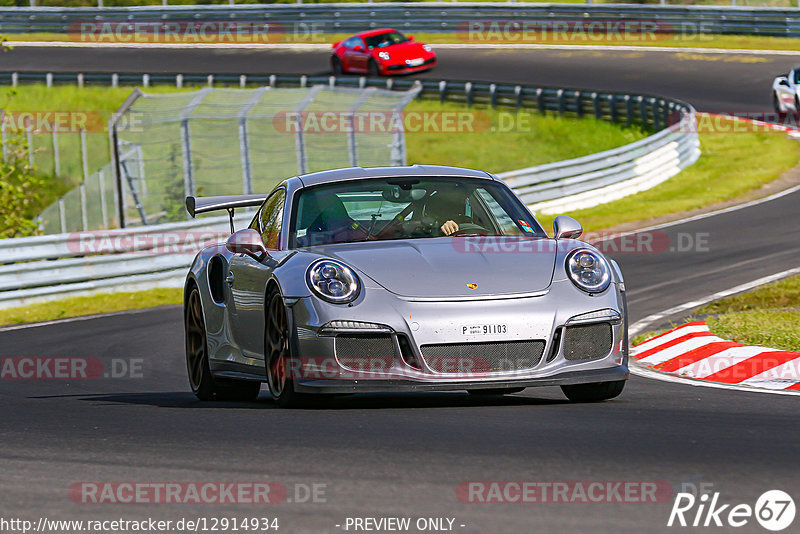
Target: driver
pixel 446 207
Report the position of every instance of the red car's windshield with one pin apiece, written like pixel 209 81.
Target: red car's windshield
pixel 382 40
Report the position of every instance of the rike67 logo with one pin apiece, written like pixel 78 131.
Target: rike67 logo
pixel 774 510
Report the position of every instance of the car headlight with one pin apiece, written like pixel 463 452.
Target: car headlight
pixel 333 281
pixel 384 55
pixel 588 270
pixel 427 48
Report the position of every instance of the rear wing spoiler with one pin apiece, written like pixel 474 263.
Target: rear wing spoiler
pixel 197 205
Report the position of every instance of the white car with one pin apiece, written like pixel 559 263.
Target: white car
pixel 784 92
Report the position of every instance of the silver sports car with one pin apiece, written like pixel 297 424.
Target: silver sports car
pixel 785 92
pixel 388 279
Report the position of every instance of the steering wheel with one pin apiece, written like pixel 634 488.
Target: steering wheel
pixel 470 229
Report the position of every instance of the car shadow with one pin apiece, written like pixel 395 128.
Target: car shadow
pixel 344 402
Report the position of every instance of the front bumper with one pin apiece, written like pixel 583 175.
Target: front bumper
pixel 389 386
pixel 540 319
pixel 406 69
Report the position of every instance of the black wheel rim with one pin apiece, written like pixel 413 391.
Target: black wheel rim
pixel 195 340
pixel 277 345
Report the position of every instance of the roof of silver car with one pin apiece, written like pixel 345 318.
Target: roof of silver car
pixel 355 173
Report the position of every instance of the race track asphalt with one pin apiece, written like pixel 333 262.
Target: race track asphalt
pixel 405 454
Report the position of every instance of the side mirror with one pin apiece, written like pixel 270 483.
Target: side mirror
pixel 566 228
pixel 410 37
pixel 358 48
pixel 247 241
pixel 784 82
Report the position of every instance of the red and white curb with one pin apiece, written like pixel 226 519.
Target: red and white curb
pixel 692 351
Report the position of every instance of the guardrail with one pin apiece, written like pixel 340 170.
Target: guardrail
pixel 416 16
pixel 578 183
pixel 46 267
pixel 61 265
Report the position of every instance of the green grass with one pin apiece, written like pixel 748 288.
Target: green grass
pixel 503 141
pixel 768 316
pixel 90 305
pixel 781 294
pixel 777 329
pixel 749 42
pixel 731 165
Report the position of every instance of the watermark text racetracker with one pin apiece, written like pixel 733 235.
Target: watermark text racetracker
pixel 646 242
pixel 572 491
pixel 69 368
pixel 572 31
pixel 196 492
pixel 197 32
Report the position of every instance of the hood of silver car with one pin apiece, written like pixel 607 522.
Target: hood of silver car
pixel 452 267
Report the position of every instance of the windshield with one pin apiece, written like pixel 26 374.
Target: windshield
pixel 385 39
pixel 408 208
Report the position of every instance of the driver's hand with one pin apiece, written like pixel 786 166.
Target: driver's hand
pixel 449 227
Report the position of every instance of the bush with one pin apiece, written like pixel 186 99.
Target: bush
pixel 20 188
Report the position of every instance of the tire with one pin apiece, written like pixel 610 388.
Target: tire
pixel 494 391
pixel 776 104
pixel 336 66
pixel 372 69
pixel 277 352
pixel 203 384
pixel 598 391
pixel 796 105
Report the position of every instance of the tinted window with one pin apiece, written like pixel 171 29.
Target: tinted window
pixel 271 219
pixel 385 39
pixel 407 208
pixel 352 42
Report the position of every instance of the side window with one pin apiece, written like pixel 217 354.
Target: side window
pixel 271 219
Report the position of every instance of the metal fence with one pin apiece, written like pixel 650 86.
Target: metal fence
pixel 218 141
pixel 55 149
pixel 305 20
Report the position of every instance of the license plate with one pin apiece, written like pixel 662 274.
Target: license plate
pixel 415 62
pixel 484 329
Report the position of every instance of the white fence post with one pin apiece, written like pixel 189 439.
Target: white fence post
pixel 103 210
pixel 56 156
pixel 84 218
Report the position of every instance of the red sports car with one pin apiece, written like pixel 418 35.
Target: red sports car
pixel 381 52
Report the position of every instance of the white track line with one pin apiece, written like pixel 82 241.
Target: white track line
pixel 445 46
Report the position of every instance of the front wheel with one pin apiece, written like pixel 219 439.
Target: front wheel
pixel 372 69
pixel 336 66
pixel 277 354
pixel 598 391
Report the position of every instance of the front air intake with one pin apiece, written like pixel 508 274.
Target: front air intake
pixel 366 352
pixel 587 342
pixel 490 357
